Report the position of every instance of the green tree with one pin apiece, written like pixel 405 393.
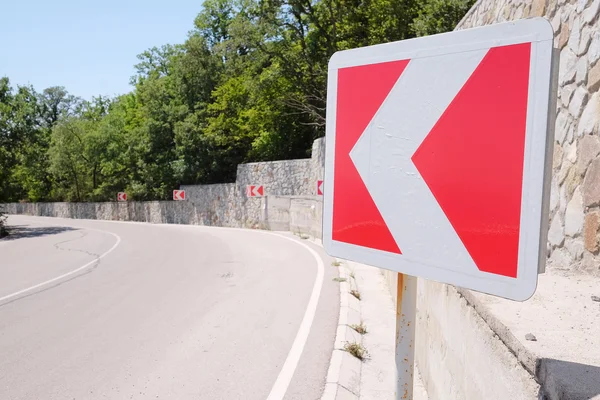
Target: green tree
pixel 248 84
pixel 439 16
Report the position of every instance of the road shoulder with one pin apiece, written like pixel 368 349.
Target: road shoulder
pixel 374 377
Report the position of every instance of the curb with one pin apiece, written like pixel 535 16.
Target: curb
pixel 343 376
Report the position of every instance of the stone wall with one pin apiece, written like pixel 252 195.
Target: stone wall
pixel 221 204
pixel 573 241
pixel 228 205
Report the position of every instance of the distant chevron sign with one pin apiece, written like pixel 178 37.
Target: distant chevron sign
pixel 255 191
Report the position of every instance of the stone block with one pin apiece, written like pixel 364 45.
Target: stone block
pixel 560 258
pixel 591 228
pixel 557 156
pixel 571 152
pixel 590 263
pixel 590 116
pixel 582 72
pixel 586 39
pixel 575 248
pixel 567 66
pixel 591 184
pixel 538 8
pixel 593 82
pixel 554 195
pixel 561 126
pixel 519 12
pixel 590 13
pixel 556 235
pixel 555 25
pixel 580 5
pixel 563 38
pixel 575 36
pixel 572 180
pixel 565 168
pixel 589 148
pixel 577 102
pixel 566 93
pixel 562 198
pixel 570 134
pixel 551 9
pixel 593 52
pixel 574 214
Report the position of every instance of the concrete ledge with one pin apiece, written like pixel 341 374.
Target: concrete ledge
pixel 564 319
pixel 343 376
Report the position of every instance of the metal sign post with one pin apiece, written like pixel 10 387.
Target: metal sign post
pixel 406 319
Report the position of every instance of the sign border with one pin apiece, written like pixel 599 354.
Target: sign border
pixel 537 163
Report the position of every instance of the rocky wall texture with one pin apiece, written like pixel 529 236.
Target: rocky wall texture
pixel 573 239
pixel 228 205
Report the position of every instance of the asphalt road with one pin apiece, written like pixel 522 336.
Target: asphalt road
pixel 108 310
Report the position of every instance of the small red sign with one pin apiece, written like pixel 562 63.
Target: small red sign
pixel 178 195
pixel 121 196
pixel 320 187
pixel 255 191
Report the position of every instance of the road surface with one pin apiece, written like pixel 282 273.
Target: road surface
pixel 109 310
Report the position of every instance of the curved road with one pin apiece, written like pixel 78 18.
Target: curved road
pixel 109 310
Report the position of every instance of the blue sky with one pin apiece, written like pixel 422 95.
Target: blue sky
pixel 89 47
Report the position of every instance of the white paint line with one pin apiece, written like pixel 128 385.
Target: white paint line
pixel 289 367
pixel 20 292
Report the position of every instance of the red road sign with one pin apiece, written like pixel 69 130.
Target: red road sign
pixel 179 195
pixel 320 187
pixel 437 154
pixel 255 191
pixel 121 196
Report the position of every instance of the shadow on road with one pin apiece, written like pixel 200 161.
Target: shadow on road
pixel 26 232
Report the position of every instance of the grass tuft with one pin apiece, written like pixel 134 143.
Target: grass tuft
pixel 357 350
pixel 360 328
pixel 355 293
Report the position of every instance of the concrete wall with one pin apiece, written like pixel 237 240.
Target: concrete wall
pixel 459 356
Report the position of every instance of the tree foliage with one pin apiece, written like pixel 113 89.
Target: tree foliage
pixel 249 84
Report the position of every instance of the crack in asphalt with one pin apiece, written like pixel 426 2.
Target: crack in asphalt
pixel 83 234
pixel 87 271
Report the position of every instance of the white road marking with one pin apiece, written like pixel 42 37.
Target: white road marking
pixel 20 292
pixel 291 362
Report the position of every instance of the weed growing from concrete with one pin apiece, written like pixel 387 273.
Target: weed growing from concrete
pixel 357 350
pixel 355 293
pixel 301 235
pixel 340 279
pixel 360 328
pixel 352 275
pixel 335 263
